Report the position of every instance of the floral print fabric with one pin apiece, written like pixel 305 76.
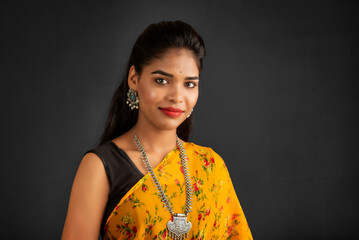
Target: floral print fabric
pixel 216 211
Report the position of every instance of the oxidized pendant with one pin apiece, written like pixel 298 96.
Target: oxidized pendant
pixel 179 227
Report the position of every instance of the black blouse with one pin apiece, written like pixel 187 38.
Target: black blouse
pixel 121 172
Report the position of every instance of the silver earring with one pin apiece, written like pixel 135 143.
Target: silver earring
pixel 190 113
pixel 132 99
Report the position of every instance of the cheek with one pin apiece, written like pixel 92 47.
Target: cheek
pixel 149 95
pixel 192 99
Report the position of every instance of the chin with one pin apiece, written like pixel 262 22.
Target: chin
pixel 170 125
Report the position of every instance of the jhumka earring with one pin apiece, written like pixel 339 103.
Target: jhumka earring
pixel 132 99
pixel 190 113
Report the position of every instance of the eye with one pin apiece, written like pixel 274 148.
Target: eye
pixel 161 81
pixel 191 84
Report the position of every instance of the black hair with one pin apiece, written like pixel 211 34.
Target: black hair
pixel 154 41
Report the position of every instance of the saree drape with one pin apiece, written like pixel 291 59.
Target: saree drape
pixel 216 211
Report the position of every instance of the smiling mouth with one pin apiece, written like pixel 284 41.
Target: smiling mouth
pixel 172 112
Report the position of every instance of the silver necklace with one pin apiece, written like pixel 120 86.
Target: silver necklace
pixel 179 227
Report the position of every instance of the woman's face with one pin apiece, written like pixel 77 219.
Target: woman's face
pixel 167 88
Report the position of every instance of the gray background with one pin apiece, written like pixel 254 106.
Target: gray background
pixel 278 101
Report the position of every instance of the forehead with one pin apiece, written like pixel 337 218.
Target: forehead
pixel 176 61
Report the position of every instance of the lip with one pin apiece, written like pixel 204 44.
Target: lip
pixel 172 112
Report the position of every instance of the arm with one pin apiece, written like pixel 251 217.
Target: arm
pixel 88 200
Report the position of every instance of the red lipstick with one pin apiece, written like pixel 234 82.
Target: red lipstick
pixel 172 112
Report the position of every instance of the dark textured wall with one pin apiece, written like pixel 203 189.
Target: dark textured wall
pixel 278 101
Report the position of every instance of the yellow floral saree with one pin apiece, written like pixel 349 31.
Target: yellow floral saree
pixel 216 211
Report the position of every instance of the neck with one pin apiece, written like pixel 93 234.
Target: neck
pixel 155 140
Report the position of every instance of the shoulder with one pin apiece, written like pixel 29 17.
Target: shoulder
pixel 206 159
pixel 104 152
pixel 91 173
pixel 203 151
pixel 91 163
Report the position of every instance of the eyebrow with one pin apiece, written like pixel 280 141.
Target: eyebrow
pixel 170 75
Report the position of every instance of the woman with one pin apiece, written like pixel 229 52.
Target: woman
pixel 142 181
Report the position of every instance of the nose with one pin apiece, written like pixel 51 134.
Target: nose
pixel 176 93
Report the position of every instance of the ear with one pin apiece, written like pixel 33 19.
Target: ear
pixel 132 78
